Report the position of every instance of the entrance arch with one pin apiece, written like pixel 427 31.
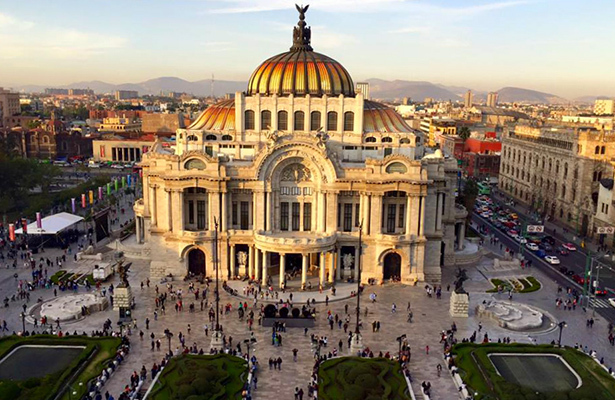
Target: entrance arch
pixel 196 262
pixel 391 266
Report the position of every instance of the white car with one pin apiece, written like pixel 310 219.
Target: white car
pixel 117 166
pixel 93 165
pixel 532 246
pixel 552 260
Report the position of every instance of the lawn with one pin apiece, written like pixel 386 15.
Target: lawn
pixel 354 378
pixel 101 351
pixel 480 375
pixel 211 377
pixel 517 285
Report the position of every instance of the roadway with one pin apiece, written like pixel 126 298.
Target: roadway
pixel 575 261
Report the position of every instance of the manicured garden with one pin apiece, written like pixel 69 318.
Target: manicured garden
pixel 354 378
pixel 517 285
pixel 481 376
pixel 97 353
pixel 211 377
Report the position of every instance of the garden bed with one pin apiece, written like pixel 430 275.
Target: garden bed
pixel 517 285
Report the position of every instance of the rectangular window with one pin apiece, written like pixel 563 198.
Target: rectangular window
pixel 191 212
pixel 234 213
pixel 357 215
pixel 296 216
pixel 400 217
pixel 307 191
pixel 391 218
pixel 200 214
pixel 307 216
pixel 339 215
pixel 284 216
pixel 282 120
pixel 245 214
pixel 347 217
pixel 113 153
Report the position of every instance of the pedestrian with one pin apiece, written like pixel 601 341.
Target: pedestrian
pixel 295 351
pixel 427 349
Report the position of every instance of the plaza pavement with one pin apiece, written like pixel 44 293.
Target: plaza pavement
pixel 430 318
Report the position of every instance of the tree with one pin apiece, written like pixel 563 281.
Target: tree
pixel 464 133
pixel 468 198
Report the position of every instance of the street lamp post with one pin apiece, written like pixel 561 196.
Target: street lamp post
pixel 216 339
pixel 400 339
pixel 357 343
pixel 169 335
pixel 561 326
pixel 23 322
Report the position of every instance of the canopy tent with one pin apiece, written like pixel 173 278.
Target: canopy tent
pixel 52 224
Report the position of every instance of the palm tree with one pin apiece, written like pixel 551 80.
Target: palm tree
pixel 464 133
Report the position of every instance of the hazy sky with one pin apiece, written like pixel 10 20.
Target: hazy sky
pixel 565 47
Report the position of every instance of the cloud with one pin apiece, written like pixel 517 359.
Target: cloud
pixel 251 6
pixel 412 29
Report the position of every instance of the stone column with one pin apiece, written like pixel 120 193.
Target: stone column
pixel 321 275
pixel 364 210
pixel 422 215
pixel 223 212
pixel 375 226
pixel 169 209
pixel 214 209
pixel 357 254
pixel 304 269
pixel 409 214
pixel 265 266
pixel 331 278
pixel 259 208
pixel 462 235
pixel 138 228
pixel 251 254
pixel 153 211
pixel 178 211
pixel 259 264
pixel 282 269
pixel 331 213
pixel 321 212
pixel 267 207
pixel 439 211
pixel 233 261
pixel 338 264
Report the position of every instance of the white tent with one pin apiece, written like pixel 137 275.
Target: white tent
pixel 52 224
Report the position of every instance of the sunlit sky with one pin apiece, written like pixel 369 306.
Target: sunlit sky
pixel 565 47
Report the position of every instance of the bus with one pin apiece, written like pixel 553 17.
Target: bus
pixel 483 188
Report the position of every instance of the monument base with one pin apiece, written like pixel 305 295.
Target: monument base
pixel 356 344
pixel 460 305
pixel 216 340
pixel 122 298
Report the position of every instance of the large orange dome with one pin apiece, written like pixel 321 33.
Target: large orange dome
pixel 301 70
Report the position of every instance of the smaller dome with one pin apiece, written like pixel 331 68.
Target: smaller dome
pixel 217 117
pixel 380 118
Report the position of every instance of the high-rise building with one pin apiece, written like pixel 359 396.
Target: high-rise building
pixel 9 103
pixel 492 99
pixel 604 107
pixel 80 92
pixel 363 87
pixel 56 91
pixel 468 99
pixel 126 94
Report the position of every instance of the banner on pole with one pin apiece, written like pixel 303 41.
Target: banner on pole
pixel 12 232
pixel 91 193
pixel 24 225
pixel 39 221
pixel 73 206
pixel 83 204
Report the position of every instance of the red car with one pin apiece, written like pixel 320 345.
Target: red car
pixel 569 246
pixel 578 279
pixel 601 292
pixel 562 251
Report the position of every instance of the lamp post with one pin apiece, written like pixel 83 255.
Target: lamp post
pixel 249 342
pixel 400 339
pixel 561 326
pixel 169 335
pixel 357 344
pixel 216 339
pixel 23 322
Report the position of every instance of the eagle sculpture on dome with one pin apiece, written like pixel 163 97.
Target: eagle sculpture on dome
pixel 301 34
pixel 302 10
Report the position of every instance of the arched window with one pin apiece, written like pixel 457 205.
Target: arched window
pixel 386 140
pixel 597 151
pixel 211 137
pixel 349 121
pixel 299 120
pixel 249 119
pixel 45 140
pixel 194 163
pixel 602 150
pixel 370 139
pixel 315 120
pixel 227 137
pixel 266 119
pixel 396 167
pixel 282 120
pixel 331 121
pixel 557 167
pixel 565 170
pixel 404 141
pixel 193 138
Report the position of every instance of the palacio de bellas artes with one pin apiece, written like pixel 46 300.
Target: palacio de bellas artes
pixel 284 180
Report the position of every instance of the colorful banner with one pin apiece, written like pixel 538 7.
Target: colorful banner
pixel 123 181
pixel 100 194
pixel 24 225
pixel 12 232
pixel 141 173
pixel 116 185
pixel 109 189
pixel 91 193
pixel 73 206
pixel 129 180
pixel 83 204
pixel 39 221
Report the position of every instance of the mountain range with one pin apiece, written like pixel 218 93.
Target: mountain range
pixel 379 88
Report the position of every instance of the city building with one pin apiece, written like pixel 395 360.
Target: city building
pixel 468 99
pixel 126 94
pixel 35 105
pixel 495 116
pixel 481 156
pixel 557 170
pixel 163 124
pixel 492 99
pixel 120 125
pixel 117 148
pixel 9 103
pixel 80 92
pixel 363 87
pixel 604 106
pixel 604 220
pixel 435 127
pixel 56 91
pixel 284 176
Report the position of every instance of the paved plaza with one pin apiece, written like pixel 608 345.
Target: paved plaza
pixel 431 316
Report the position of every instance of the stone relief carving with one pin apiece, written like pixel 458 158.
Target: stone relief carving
pixel 296 173
pixel 242 258
pixel 272 138
pixel 348 260
pixel 322 137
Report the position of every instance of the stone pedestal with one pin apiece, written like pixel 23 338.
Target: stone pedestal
pixel 356 344
pixel 347 273
pixel 216 340
pixel 122 298
pixel 460 305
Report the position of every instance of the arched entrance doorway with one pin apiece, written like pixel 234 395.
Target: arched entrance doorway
pixel 392 266
pixel 196 262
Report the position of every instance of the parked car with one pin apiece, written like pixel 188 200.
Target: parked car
pixel 532 246
pixel 117 166
pixel 541 254
pixel 552 260
pixel 546 246
pixel 563 270
pixel 548 239
pixel 578 279
pixel 93 165
pixel 562 251
pixel 569 247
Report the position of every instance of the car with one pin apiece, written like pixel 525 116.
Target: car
pixel 532 246
pixel 601 292
pixel 562 251
pixel 548 239
pixel 541 254
pixel 512 233
pixel 546 246
pixel 563 270
pixel 552 260
pixel 578 279
pixel 117 166
pixel 514 216
pixel 569 246
pixel 570 273
pixel 93 165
